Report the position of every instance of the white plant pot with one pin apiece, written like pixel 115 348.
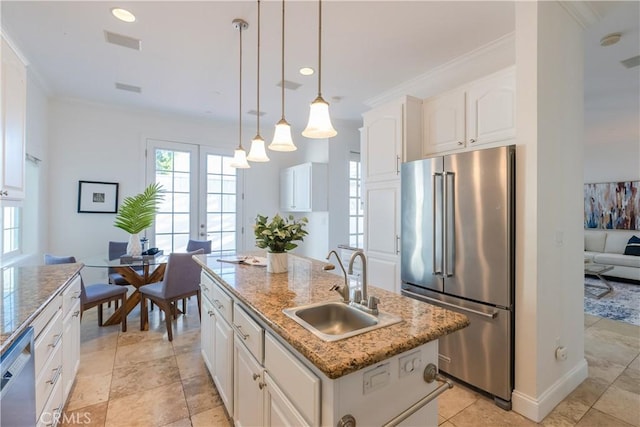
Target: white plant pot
pixel 277 262
pixel 134 247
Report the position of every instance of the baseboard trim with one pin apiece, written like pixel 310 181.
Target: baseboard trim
pixel 537 408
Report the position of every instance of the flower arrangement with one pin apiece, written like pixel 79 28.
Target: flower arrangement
pixel 278 234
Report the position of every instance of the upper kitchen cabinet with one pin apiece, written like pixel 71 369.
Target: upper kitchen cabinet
pixel 480 113
pixel 14 96
pixel 303 188
pixel 391 135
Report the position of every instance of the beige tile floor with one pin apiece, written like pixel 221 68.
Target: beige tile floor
pixel 138 378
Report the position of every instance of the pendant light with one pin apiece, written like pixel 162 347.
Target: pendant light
pixel 319 125
pixel 240 156
pixel 257 152
pixel 282 140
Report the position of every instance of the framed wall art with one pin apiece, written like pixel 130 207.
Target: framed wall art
pixel 97 197
pixel 612 205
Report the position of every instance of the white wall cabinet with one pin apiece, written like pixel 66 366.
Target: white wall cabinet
pixel 303 188
pixel 479 113
pixel 13 115
pixel 391 135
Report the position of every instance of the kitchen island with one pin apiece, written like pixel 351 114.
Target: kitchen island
pixel 299 378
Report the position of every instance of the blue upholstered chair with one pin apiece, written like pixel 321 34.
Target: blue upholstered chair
pixel 95 295
pixel 116 250
pixel 181 280
pixel 194 245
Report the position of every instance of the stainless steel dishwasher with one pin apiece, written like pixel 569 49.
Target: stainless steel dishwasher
pixel 18 389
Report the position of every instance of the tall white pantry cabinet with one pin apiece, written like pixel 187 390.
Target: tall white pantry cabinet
pixel 390 136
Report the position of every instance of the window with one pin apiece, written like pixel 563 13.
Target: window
pixel 356 212
pixel 11 231
pixel 221 204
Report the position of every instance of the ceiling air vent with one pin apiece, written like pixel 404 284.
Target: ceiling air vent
pixel 255 113
pixel 634 61
pixel 129 88
pixel 289 85
pixel 122 40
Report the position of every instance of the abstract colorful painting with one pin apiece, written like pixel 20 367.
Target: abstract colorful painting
pixel 612 205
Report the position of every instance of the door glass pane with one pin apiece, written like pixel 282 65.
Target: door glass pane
pixel 221 204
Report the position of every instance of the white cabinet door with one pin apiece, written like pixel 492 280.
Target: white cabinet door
pixel 286 190
pixel 223 357
pixel 70 348
pixel 278 410
pixel 247 387
pixel 14 101
pixel 302 188
pixel 491 109
pixel 384 272
pixel 444 123
pixel 382 218
pixel 381 143
pixel 207 331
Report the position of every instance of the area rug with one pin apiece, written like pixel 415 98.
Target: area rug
pixel 622 304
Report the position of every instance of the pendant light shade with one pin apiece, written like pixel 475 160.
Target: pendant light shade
pixel 282 140
pixel 257 152
pixel 240 156
pixel 319 125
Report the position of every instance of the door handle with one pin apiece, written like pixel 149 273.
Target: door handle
pixel 491 315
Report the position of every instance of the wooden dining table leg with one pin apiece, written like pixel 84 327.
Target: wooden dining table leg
pixel 136 280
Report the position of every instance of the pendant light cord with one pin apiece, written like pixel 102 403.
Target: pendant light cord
pixel 319 45
pixel 240 86
pixel 282 82
pixel 258 75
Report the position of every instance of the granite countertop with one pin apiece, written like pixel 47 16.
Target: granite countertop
pixel 305 283
pixel 25 292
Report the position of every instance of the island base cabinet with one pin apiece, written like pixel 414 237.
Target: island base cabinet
pixel 223 371
pixel 247 390
pixel 377 394
pixel 278 410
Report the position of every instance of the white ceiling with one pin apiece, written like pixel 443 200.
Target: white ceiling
pixel 188 64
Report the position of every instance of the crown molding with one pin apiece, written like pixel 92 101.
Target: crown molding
pixel 582 11
pixel 503 48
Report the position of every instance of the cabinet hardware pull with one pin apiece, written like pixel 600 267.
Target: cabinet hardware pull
pixel 204 287
pixel 210 313
pixel 397 244
pixel 76 313
pixel 239 332
pixel 218 304
pixel 75 295
pixel 430 374
pixel 262 385
pixel 54 378
pixel 397 165
pixel 255 376
pixel 347 421
pixel 4 193
pixel 460 143
pixel 472 140
pixel 58 337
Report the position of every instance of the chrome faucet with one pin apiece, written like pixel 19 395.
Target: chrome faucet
pixel 344 291
pixel 366 303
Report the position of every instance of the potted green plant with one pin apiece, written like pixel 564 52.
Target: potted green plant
pixel 137 213
pixel 277 236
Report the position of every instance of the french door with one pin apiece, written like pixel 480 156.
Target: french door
pixel 201 197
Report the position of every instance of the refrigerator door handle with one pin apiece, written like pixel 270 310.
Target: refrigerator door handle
pixel 437 225
pixel 491 315
pixel 449 225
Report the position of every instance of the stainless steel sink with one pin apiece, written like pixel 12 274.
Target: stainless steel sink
pixel 333 321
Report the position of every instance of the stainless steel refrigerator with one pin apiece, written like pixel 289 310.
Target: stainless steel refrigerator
pixel 457 251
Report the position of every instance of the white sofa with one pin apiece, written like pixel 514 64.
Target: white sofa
pixel 607 247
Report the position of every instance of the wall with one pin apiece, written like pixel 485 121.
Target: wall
pixel 100 143
pixel 612 161
pixel 549 283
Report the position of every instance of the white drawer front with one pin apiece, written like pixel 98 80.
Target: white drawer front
pixel 52 411
pixel 222 302
pixel 251 334
pixel 70 296
pixel 206 285
pixel 45 316
pixel 48 341
pixel 48 378
pixel 298 383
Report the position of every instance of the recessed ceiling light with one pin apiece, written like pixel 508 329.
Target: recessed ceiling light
pixel 306 71
pixel 123 14
pixel 610 39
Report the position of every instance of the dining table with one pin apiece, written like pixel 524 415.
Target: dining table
pixel 137 270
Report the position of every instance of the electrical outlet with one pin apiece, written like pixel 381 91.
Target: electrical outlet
pixel 561 353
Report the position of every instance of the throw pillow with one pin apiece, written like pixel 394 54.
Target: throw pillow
pixel 633 246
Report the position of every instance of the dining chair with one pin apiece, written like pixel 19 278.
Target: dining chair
pixel 194 245
pixel 95 294
pixel 116 250
pixel 181 280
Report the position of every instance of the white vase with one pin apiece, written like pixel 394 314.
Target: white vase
pixel 134 247
pixel 277 262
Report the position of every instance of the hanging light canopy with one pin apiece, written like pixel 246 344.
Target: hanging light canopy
pixel 240 156
pixel 319 125
pixel 282 140
pixel 257 152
